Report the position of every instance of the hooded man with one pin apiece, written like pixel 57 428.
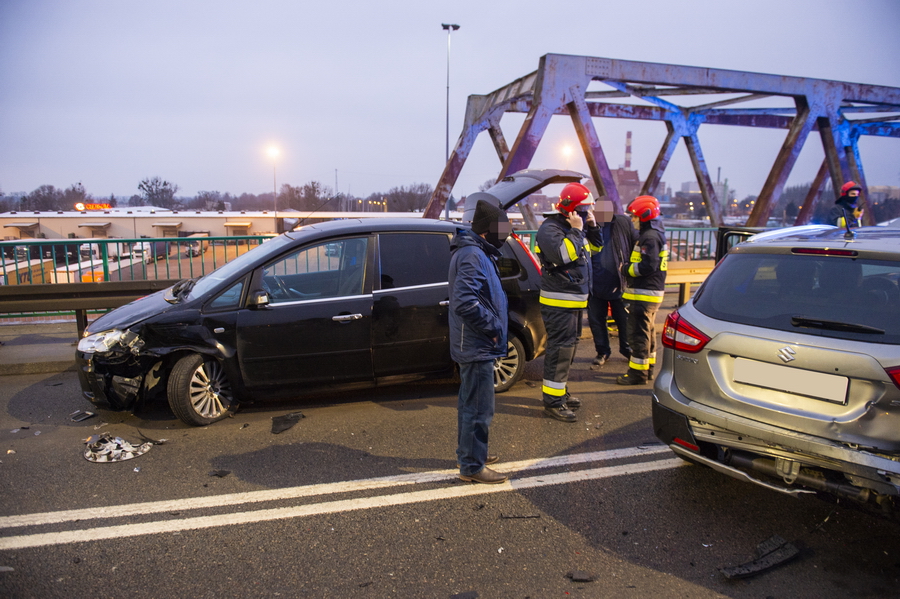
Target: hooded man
pixel 845 213
pixel 564 251
pixel 478 335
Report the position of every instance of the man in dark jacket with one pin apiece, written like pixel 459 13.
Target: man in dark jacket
pixel 845 212
pixel 478 332
pixel 646 284
pixel 608 282
pixel 564 251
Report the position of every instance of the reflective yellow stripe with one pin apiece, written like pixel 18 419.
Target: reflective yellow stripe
pixel 568 249
pixel 637 365
pixel 644 295
pixel 594 249
pixel 635 256
pixel 664 259
pixel 632 270
pixel 557 303
pixel 554 388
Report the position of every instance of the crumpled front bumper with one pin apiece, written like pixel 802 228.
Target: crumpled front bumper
pixel 116 381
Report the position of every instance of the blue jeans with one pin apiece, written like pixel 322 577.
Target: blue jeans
pixel 598 308
pixel 475 410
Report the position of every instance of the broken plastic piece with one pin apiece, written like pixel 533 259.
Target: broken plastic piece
pixel 580 576
pixel 106 448
pixel 283 423
pixel 772 552
pixel 220 473
pixel 79 415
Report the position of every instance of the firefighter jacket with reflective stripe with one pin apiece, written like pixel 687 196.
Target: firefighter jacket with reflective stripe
pixel 565 261
pixel 646 271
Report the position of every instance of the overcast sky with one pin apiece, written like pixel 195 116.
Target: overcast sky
pixel 353 92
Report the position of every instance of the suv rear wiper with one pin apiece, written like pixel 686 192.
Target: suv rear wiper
pixel 833 325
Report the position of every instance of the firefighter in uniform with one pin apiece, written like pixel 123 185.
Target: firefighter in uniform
pixel 645 284
pixel 564 250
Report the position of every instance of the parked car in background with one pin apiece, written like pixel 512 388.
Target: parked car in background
pixel 784 369
pixel 196 245
pixel 151 251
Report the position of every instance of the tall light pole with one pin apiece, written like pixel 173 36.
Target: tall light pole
pixel 273 154
pixel 449 28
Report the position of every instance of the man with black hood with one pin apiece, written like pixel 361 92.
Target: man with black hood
pixel 845 213
pixel 478 335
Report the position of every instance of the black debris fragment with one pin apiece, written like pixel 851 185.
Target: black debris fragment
pixel 220 473
pixel 772 552
pixel 147 439
pixel 465 595
pixel 283 423
pixel 580 576
pixel 245 425
pixel 523 517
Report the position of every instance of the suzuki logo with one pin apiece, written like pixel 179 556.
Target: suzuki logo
pixel 786 354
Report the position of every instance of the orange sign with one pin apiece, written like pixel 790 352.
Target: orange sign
pixel 81 207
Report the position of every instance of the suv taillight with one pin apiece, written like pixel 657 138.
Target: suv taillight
pixel 681 335
pixel 894 373
pixel 528 252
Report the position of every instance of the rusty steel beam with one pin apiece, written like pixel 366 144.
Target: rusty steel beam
pixel 812 196
pixel 784 163
pixel 559 87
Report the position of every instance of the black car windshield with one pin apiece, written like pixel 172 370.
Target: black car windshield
pixel 227 272
pixel 828 296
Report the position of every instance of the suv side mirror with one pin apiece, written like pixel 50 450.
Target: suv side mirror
pixel 258 299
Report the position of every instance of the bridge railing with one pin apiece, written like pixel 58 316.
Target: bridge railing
pixel 684 244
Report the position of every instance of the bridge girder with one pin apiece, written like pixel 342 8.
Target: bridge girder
pixel 559 87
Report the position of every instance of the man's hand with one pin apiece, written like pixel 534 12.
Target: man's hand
pixel 590 218
pixel 575 221
pixel 857 213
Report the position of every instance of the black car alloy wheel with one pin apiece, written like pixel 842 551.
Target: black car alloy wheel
pixel 199 392
pixel 508 370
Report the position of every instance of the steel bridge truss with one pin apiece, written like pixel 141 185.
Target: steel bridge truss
pixel 840 112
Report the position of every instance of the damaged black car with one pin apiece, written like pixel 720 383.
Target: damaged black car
pixel 341 304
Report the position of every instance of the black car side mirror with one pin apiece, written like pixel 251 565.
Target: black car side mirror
pixel 258 299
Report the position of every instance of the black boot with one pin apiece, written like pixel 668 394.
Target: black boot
pixel 632 377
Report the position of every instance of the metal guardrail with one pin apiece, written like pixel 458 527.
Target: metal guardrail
pixel 55 276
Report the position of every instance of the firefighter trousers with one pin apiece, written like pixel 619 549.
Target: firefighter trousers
pixel 563 327
pixel 642 336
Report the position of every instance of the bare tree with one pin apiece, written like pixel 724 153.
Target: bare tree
pixel 157 192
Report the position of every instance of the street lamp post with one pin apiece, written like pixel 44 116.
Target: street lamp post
pixel 449 28
pixel 273 153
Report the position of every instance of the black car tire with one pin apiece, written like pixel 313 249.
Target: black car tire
pixel 199 392
pixel 508 370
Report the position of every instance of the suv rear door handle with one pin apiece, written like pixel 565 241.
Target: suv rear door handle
pixel 346 317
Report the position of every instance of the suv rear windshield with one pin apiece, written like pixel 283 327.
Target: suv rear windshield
pixel 830 296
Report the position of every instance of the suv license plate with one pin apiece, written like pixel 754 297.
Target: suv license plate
pixel 827 387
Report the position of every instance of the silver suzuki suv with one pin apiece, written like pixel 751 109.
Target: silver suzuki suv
pixel 784 369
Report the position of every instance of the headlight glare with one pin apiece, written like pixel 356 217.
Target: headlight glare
pixel 100 342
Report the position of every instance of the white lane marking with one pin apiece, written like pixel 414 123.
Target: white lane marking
pixel 181 505
pixel 364 503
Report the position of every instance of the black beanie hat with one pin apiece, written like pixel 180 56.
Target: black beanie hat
pixel 487 214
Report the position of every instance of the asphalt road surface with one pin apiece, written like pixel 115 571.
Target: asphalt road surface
pixel 360 499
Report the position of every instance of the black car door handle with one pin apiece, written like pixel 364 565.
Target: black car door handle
pixel 346 317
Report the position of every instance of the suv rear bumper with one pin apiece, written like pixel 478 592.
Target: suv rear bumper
pixel 689 428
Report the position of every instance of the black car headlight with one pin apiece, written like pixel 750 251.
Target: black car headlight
pixel 107 341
